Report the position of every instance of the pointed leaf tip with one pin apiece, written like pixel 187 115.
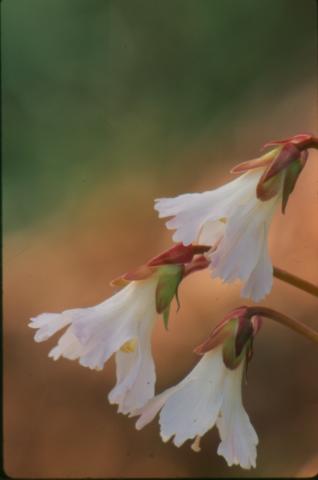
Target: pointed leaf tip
pixel 169 278
pixel 165 316
pixel 291 177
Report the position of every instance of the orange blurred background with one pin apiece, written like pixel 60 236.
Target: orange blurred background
pixel 57 421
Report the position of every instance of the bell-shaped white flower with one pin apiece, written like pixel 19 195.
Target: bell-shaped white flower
pixel 234 219
pixel 122 325
pixel 209 395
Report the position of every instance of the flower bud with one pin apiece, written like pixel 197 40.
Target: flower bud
pixel 236 333
pixel 283 165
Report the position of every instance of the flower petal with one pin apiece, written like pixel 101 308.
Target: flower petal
pixel 192 210
pixel 97 332
pixel 151 408
pixel 243 254
pixel 232 220
pixel 238 437
pixel 191 407
pixel 260 281
pixel 68 346
pixel 48 324
pixel 135 373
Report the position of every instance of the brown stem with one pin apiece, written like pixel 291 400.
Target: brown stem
pixel 295 281
pixel 292 323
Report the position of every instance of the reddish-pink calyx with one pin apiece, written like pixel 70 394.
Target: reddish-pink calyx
pixel 183 255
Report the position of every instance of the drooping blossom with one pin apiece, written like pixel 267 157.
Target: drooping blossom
pixel 235 218
pixel 122 325
pixel 211 394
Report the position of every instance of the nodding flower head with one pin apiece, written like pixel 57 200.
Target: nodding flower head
pixel 235 218
pixel 122 325
pixel 236 333
pixel 283 165
pixel 211 394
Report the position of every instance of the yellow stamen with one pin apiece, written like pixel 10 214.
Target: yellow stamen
pixel 223 219
pixel 196 444
pixel 129 346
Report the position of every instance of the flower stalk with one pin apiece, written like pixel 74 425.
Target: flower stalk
pixel 295 281
pixel 290 322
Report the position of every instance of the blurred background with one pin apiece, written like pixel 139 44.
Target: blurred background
pixel 106 106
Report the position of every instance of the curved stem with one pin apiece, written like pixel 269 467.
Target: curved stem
pixel 292 323
pixel 295 281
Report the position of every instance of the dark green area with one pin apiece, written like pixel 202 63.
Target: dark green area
pixel 94 87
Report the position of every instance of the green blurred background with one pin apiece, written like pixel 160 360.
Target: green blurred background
pixel 107 105
pixel 92 88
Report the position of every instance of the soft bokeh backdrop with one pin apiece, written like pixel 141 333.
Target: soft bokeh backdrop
pixel 107 105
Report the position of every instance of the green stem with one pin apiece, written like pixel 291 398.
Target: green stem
pixel 295 281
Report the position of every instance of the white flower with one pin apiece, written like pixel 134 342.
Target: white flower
pixel 122 325
pixel 235 223
pixel 209 395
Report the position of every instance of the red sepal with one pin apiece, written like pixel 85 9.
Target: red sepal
pixel 269 183
pixel 220 333
pixel 302 141
pixel 262 161
pixel 141 273
pixel 299 142
pixel 285 156
pixel 216 337
pixel 199 263
pixel 178 254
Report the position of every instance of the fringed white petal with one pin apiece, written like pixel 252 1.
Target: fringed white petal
pixel 238 437
pixel 67 346
pixel 209 395
pixel 191 211
pixel 211 232
pixel 241 247
pixel 260 281
pixel 152 407
pixel 233 220
pixel 95 333
pixel 190 408
pixel 243 253
pixel 238 252
pixel 135 372
pixel 48 324
pixel 193 408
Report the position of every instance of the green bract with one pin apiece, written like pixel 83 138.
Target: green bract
pixel 237 343
pixel 292 173
pixel 169 278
